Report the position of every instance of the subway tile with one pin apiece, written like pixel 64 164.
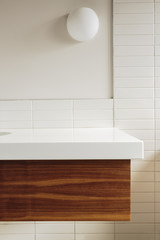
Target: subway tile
pixel 157 18
pixel 157 74
pixel 157 236
pixel 134 228
pixel 134 237
pixel 142 186
pixel 94 236
pixel 142 166
pixel 157 102
pixel 157 50
pixel 54 237
pixel 157 188
pixel 17 237
pixel 16 124
pixel 157 82
pixel 157 134
pixel 157 92
pixel 157 28
pixel 93 115
pixel 134 103
pixel 52 105
pixel 157 7
pixel 149 155
pixel 134 8
pixel 134 18
pixel 56 228
pixel 128 114
pixel 94 228
pixel 157 156
pixel 133 51
pixel 157 217
pixel 157 166
pixel 157 207
pixel 139 218
pixel 157 196
pixel 93 123
pixel 134 72
pixel 142 176
pixel 52 124
pixel 142 207
pixel 134 61
pixel 157 39
pixel 55 115
pixel 142 217
pixel 157 146
pixel 134 82
pixel 18 105
pixel 133 93
pixel 157 113
pixel 93 104
pixel 18 228
pixel 157 176
pixel 16 222
pixel 142 197
pixel 52 113
pixel 134 29
pixel 15 115
pixel 149 145
pixel 157 61
pixel 135 124
pixel 157 228
pixel 135 40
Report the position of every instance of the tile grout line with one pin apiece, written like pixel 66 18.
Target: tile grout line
pixel 32 114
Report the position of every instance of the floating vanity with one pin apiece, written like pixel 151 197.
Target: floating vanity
pixel 66 174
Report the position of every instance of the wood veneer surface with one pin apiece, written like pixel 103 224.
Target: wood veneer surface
pixel 50 190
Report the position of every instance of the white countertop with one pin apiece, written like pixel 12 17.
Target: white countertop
pixel 60 144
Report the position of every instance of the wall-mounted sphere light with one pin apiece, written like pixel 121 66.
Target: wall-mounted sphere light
pixel 82 24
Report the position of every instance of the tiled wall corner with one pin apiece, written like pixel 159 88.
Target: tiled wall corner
pixel 134 106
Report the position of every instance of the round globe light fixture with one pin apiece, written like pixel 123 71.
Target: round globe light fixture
pixel 82 24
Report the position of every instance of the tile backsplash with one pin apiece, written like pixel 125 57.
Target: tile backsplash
pixel 135 108
pixel 56 113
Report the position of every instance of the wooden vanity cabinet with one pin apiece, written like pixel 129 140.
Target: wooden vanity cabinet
pixel 65 190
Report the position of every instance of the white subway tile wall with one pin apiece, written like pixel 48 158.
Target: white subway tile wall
pixel 134 101
pixel 135 109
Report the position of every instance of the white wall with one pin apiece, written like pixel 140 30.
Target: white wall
pixel 135 108
pixel 39 60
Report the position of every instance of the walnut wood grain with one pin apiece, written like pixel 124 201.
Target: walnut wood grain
pixel 80 190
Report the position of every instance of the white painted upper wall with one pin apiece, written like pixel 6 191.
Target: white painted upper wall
pixel 38 59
